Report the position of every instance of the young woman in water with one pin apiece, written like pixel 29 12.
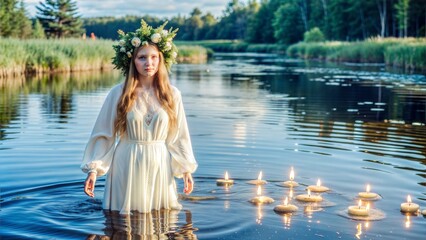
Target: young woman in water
pixel 141 138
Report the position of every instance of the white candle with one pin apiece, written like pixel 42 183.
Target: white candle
pixel 409 207
pixel 308 197
pixel 318 187
pixel 424 212
pixel 225 182
pixel 285 208
pixel 358 210
pixel 291 183
pixel 258 181
pixel 259 199
pixel 367 194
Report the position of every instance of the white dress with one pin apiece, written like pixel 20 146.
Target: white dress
pixel 141 165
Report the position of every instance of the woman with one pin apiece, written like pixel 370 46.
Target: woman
pixel 141 137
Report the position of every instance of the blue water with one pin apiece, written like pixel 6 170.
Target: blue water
pixel 347 125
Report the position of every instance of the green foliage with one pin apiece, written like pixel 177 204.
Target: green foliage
pixel 38 31
pixel 287 24
pixel 313 35
pixel 60 18
pixel 409 53
pixel 13 19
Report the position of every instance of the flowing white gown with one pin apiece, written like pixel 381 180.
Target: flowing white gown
pixel 142 164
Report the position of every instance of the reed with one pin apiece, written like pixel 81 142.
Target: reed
pixel 409 53
pixel 20 57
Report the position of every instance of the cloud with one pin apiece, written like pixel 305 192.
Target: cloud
pixel 159 8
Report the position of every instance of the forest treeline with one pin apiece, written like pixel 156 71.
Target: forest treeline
pixel 285 21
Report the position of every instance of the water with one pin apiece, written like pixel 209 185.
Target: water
pixel 346 125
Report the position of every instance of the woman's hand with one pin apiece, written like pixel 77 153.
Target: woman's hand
pixel 89 184
pixel 188 183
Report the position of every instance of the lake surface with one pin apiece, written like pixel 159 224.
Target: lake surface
pixel 347 125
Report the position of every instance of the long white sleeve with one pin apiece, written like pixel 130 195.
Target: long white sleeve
pixel 100 148
pixel 179 142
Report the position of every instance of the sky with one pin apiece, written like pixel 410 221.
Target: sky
pixel 158 8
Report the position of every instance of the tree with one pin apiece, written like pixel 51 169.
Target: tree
pixel 402 16
pixel 21 22
pixel 38 31
pixel 60 18
pixel 288 26
pixel 13 19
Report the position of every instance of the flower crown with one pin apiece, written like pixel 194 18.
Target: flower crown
pixel 145 35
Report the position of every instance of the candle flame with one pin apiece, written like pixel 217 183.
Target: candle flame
pixel 292 174
pixel 409 199
pixel 368 188
pixel 319 182
pixel 259 190
pixel 260 176
pixel 286 201
pixel 309 192
pixel 226 175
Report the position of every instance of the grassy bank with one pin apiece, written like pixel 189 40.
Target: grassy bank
pixel 20 57
pixel 236 46
pixel 409 53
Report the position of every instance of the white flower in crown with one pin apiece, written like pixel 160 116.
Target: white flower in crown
pixel 156 37
pixel 164 33
pixel 144 43
pixel 122 49
pixel 174 54
pixel 129 54
pixel 136 42
pixel 168 46
pixel 121 42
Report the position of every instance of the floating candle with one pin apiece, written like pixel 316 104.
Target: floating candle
pixel 225 182
pixel 367 194
pixel 285 208
pixel 424 212
pixel 291 183
pixel 308 197
pixel 409 207
pixel 259 199
pixel 359 210
pixel 318 187
pixel 258 181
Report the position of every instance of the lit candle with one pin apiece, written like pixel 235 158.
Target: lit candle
pixel 259 199
pixel 367 194
pixel 291 183
pixel 409 207
pixel 285 208
pixel 258 181
pixel 308 197
pixel 318 187
pixel 359 210
pixel 225 182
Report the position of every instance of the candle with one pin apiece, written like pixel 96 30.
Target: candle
pixel 409 207
pixel 359 210
pixel 424 212
pixel 258 181
pixel 225 182
pixel 259 199
pixel 367 194
pixel 318 187
pixel 285 208
pixel 291 183
pixel 308 197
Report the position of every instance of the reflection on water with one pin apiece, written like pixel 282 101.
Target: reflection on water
pixel 160 224
pixel 246 113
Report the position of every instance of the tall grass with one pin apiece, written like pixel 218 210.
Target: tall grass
pixel 408 53
pixel 19 57
pixel 236 46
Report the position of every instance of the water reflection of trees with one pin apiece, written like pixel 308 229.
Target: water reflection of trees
pixel 158 224
pixel 56 92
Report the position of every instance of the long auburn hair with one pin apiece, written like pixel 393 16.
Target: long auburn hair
pixel 162 90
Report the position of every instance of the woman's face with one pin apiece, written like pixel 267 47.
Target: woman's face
pixel 147 60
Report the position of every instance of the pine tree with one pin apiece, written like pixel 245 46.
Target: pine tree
pixel 60 18
pixel 38 31
pixel 7 9
pixel 21 22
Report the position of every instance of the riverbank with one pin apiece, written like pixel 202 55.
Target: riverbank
pixel 21 57
pixel 407 53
